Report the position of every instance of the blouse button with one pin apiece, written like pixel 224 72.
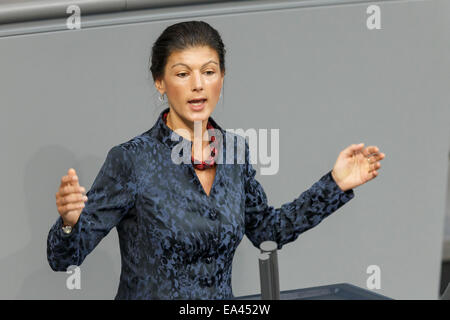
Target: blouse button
pixel 208 259
pixel 206 282
pixel 203 281
pixel 213 214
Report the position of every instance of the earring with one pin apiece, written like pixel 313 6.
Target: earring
pixel 161 97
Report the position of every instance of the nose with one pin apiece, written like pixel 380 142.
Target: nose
pixel 197 81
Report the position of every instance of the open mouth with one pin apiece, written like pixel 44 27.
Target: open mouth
pixel 198 102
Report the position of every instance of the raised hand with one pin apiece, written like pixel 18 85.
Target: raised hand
pixel 356 165
pixel 70 198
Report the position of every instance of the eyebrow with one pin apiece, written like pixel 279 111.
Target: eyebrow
pixel 210 61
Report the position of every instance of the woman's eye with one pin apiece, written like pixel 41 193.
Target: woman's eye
pixel 181 75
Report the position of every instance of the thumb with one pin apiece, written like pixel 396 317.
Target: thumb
pixel 74 178
pixel 350 150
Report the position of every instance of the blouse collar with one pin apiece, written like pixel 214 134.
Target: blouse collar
pixel 170 138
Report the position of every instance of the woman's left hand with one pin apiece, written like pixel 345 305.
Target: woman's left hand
pixel 356 165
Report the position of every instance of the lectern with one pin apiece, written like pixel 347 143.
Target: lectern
pixel 270 284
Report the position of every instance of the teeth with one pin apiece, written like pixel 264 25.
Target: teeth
pixel 197 103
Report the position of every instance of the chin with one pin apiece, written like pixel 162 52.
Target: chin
pixel 202 115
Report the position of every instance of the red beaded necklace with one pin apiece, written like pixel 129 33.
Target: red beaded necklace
pixel 204 164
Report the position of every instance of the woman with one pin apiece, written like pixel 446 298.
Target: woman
pixel 179 224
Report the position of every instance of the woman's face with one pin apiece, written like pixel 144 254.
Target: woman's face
pixel 191 74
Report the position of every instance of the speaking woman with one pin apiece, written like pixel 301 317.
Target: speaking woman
pixel 179 224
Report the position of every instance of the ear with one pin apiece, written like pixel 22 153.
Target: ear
pixel 223 77
pixel 159 84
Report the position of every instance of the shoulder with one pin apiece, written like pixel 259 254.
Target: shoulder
pixel 126 154
pixel 135 145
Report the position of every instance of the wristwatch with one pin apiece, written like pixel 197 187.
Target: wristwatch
pixel 67 229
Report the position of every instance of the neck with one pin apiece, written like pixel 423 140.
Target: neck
pixel 187 130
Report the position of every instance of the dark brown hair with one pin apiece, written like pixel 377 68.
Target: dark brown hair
pixel 184 35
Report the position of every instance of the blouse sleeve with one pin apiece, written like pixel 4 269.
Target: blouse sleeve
pixel 285 224
pixel 111 196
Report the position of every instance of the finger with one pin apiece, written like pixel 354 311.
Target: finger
pixel 370 150
pixel 73 197
pixel 69 178
pixel 376 157
pixel 352 149
pixel 73 177
pixel 374 166
pixel 374 174
pixel 64 181
pixel 70 189
pixel 72 206
pixel 74 181
pixel 68 208
pixel 71 172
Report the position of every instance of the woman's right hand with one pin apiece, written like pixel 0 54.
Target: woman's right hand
pixel 70 198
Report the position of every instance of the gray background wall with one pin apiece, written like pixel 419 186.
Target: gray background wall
pixel 316 73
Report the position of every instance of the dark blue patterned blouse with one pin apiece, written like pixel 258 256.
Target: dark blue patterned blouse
pixel 176 242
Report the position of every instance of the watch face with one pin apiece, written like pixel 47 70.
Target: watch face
pixel 67 229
